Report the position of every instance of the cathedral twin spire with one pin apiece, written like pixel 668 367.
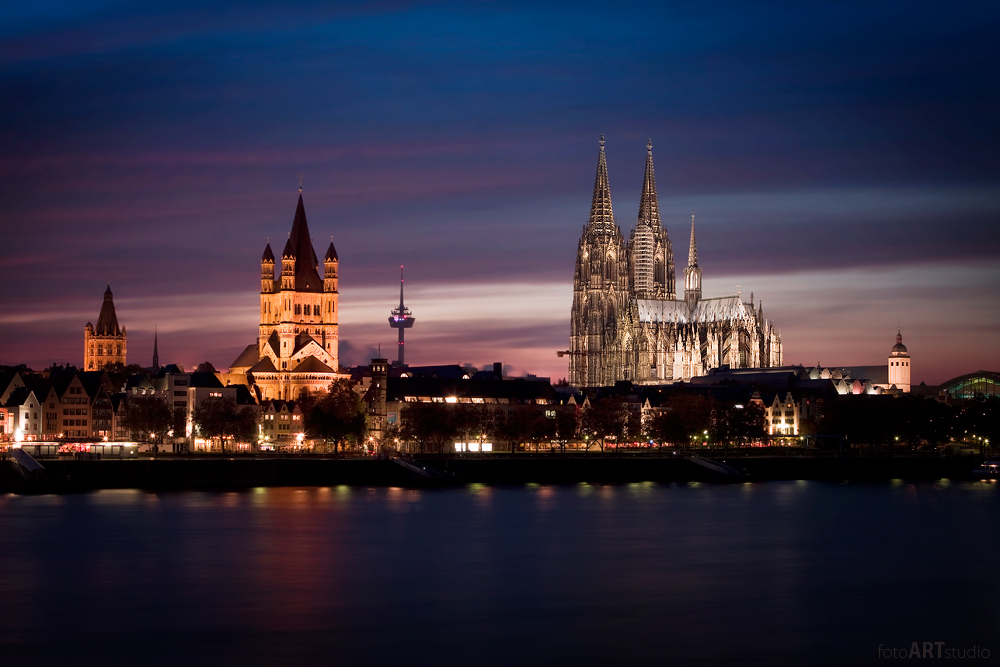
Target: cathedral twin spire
pixel 602 218
pixel 602 222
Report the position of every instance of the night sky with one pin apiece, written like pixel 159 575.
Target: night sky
pixel 843 160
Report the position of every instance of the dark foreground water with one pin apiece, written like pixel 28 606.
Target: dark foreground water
pixel 777 573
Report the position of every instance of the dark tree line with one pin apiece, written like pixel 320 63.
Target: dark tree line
pixel 222 419
pixel 912 421
pixel 435 427
pixel 337 416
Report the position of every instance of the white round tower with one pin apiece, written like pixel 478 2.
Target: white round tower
pixel 899 365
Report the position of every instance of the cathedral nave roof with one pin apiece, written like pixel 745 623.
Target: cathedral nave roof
pixel 718 309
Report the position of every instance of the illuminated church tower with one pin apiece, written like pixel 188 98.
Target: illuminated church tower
pixel 600 321
pixel 650 254
pixel 297 340
pixel 105 343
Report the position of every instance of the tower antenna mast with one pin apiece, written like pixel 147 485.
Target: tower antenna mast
pixel 401 318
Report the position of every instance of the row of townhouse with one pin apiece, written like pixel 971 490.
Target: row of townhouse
pixel 281 423
pixel 85 406
pixel 63 404
pixel 787 401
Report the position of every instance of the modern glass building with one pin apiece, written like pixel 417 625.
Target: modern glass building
pixel 973 385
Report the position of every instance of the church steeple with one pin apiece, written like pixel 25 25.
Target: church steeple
pixel 649 207
pixel 602 218
pixel 298 257
pixel 107 321
pixel 692 274
pixel 105 343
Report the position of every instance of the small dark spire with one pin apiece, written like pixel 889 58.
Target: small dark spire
pixel 156 353
pixel 331 253
pixel 268 255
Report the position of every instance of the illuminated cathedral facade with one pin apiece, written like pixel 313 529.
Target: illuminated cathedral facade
pixel 627 322
pixel 297 340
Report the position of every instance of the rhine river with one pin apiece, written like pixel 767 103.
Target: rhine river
pixel 642 574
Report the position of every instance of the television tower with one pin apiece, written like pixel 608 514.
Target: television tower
pixel 401 319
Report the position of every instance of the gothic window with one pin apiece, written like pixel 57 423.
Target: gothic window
pixel 298 309
pixel 308 309
pixel 658 271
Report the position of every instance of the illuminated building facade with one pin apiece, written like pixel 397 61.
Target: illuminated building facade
pixel 297 342
pixel 626 321
pixel 978 385
pixel 105 343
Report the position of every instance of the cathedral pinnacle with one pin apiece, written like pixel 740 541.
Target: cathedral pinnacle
pixel 602 218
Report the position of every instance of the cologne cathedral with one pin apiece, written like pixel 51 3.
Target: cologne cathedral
pixel 627 322
pixel 297 340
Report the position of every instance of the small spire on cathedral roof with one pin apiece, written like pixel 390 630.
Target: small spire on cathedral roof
pixel 693 248
pixel 268 255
